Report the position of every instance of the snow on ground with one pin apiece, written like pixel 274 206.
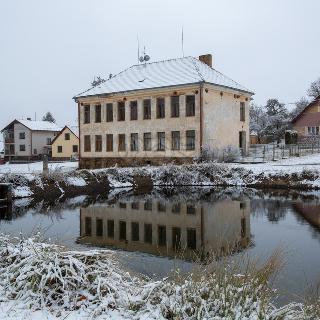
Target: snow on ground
pixel 76 181
pixel 36 167
pixel 290 165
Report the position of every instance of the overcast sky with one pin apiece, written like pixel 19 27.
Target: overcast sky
pixel 51 50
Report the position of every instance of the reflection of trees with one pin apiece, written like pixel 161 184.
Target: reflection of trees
pixel 274 210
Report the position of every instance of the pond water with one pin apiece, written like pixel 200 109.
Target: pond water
pixel 155 232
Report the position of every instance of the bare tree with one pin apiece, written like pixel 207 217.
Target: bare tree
pixel 300 105
pixel 314 90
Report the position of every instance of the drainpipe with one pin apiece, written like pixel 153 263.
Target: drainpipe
pixel 201 115
pixel 79 149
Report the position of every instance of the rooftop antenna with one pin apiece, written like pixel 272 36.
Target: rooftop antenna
pixel 138 48
pixel 182 48
pixel 144 58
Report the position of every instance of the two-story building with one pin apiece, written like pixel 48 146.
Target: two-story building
pixel 159 112
pixel 28 139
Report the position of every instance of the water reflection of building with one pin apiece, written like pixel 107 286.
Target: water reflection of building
pixel 163 228
pixel 5 211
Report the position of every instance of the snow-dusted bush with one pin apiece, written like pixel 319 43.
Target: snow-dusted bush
pixel 231 154
pixel 68 283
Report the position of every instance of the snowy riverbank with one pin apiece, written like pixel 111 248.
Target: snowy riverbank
pixel 44 281
pixel 64 180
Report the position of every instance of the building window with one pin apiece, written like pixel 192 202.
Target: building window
pixel 191 137
pixel 175 107
pixel 75 148
pixel 162 235
pixel 49 141
pixel 67 136
pixel 122 142
pixel 161 141
pixel 59 149
pixel 135 205
pixel 122 205
pixel 35 151
pixel 87 114
pixel 109 112
pixel 122 230
pixel 312 131
pixel 110 228
pixel 135 231
pixel 98 113
pixel 242 111
pixel 191 238
pixel 242 139
pixel 121 111
pixel 109 142
pixel 147 141
pixel 243 227
pixel 133 110
pixel 176 238
pixel 161 108
pixel 98 143
pixel 87 226
pixel 161 207
pixel 22 135
pixel 176 208
pixel 148 205
pixel 87 144
pixel 191 209
pixel 175 138
pixel 147 109
pixel 22 147
pixel 190 106
pixel 99 227
pixel 147 233
pixel 134 142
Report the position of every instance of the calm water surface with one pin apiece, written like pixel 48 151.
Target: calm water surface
pixel 151 230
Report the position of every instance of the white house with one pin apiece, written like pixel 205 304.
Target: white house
pixel 28 139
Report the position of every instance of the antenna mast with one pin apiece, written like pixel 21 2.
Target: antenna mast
pixel 138 49
pixel 182 47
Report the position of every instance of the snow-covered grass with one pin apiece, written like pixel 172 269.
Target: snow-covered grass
pixel 36 167
pixel 44 281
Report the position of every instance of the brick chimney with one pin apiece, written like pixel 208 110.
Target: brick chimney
pixel 207 59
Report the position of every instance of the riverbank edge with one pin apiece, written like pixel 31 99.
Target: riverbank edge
pixel 144 179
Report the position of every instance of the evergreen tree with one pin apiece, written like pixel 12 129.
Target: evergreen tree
pixel 49 117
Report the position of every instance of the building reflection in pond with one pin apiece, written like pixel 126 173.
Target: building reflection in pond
pixel 160 227
pixel 5 211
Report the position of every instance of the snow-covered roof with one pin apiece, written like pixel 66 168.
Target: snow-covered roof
pixel 165 73
pixel 40 125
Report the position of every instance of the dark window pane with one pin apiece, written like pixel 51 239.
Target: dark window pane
pixel 86 114
pixel 22 147
pixel 133 110
pixel 122 230
pixel 59 149
pixel 190 106
pixel 161 141
pixel 160 108
pixel 122 205
pixel 109 142
pixel 242 111
pixel 161 207
pixel 109 112
pixel 176 238
pixel 148 205
pixel 191 209
pixel 121 111
pixel 98 143
pixel 162 236
pixel 147 141
pixel 191 239
pixel 74 148
pixel 243 227
pixel 87 143
pixel 98 113
pixel 148 233
pixel 135 231
pixel 147 109
pixel 175 138
pixel 134 142
pixel 122 142
pixel 176 208
pixel 175 108
pixel 99 227
pixel 135 205
pixel 110 226
pixel 88 226
pixel 191 136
